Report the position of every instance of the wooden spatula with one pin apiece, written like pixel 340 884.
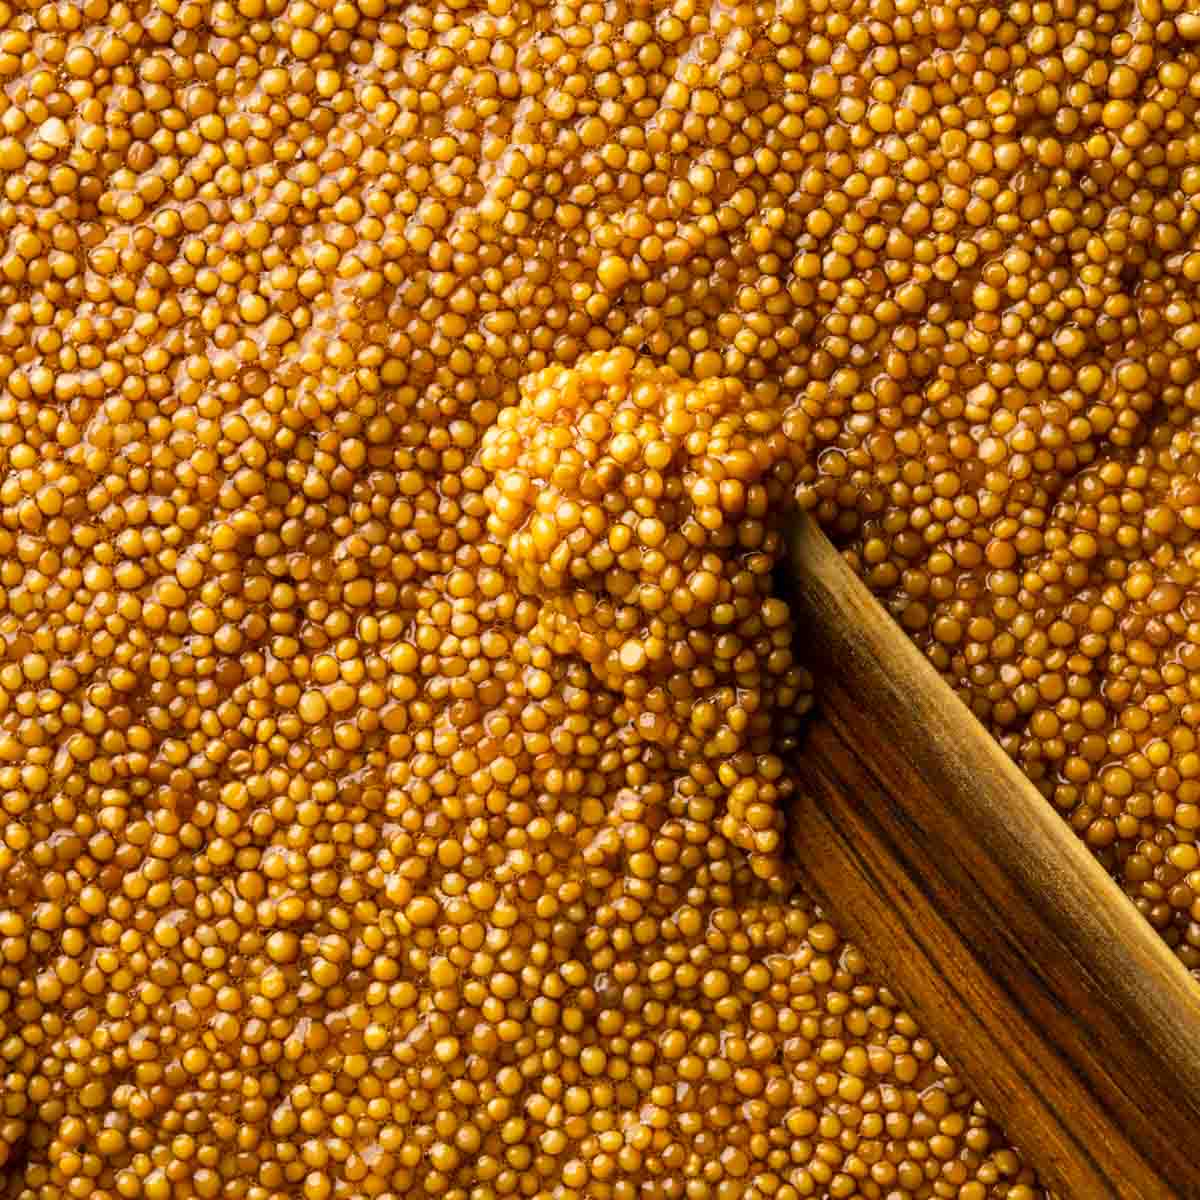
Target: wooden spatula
pixel 1013 948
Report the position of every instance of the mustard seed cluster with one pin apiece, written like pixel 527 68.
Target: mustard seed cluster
pixel 397 403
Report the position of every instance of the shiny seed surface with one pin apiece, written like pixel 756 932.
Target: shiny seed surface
pixel 397 404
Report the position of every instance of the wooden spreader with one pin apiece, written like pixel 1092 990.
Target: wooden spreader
pixel 1020 957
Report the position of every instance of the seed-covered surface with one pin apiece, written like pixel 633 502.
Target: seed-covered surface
pixel 393 753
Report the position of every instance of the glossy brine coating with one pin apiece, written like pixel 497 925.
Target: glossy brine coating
pixel 398 406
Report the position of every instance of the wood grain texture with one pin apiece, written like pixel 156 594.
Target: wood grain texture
pixel 1016 952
